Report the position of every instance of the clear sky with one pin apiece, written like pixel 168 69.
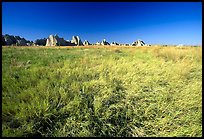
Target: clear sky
pixel 123 22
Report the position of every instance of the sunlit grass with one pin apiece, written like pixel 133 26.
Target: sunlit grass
pixel 101 91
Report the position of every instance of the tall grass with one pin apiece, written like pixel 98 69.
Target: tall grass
pixel 101 91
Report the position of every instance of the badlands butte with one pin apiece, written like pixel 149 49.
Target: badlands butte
pixel 55 40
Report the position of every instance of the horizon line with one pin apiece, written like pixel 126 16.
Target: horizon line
pixel 56 34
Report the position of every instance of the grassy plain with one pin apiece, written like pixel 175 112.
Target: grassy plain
pixel 101 91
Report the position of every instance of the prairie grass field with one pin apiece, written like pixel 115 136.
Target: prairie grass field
pixel 102 91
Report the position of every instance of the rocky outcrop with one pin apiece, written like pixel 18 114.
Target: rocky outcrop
pixel 104 42
pixel 76 41
pixel 114 43
pixel 69 43
pixel 62 42
pixel 98 43
pixel 21 42
pixel 40 42
pixel 31 43
pixel 52 41
pixel 86 42
pixel 14 40
pixel 9 40
pixel 138 43
pixel 55 40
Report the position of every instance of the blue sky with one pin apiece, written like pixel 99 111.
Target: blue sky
pixel 123 22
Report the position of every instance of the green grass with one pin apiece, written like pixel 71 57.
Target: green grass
pixel 141 91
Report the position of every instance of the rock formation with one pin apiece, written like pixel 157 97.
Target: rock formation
pixel 98 43
pixel 114 43
pixel 77 41
pixel 40 42
pixel 104 42
pixel 51 41
pixel 14 40
pixel 21 43
pixel 86 42
pixel 138 43
pixel 9 40
pixel 55 40
pixel 69 43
